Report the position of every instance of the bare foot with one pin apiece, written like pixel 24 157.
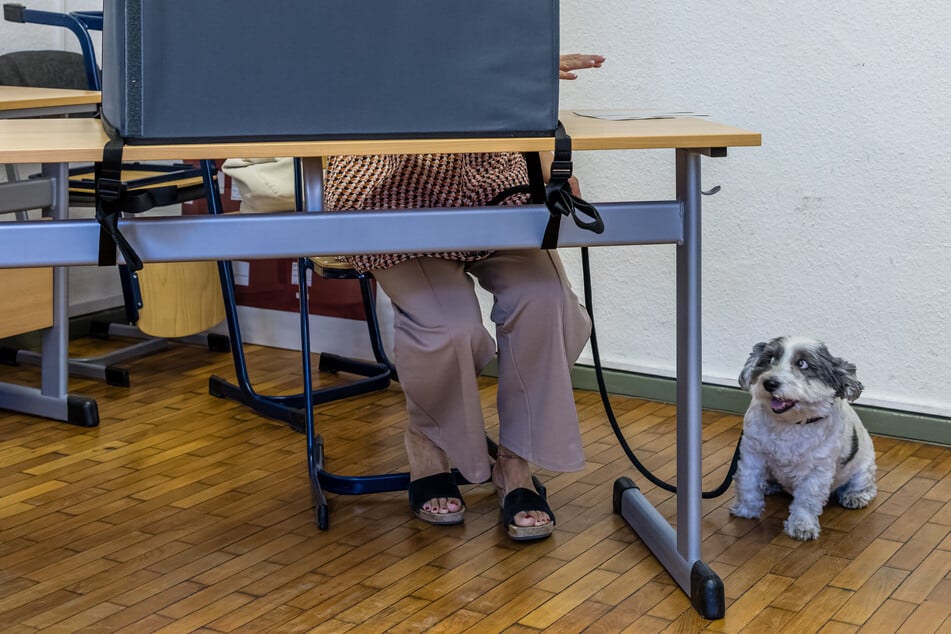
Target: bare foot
pixel 513 472
pixel 426 459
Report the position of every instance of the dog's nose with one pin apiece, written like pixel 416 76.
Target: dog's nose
pixel 770 385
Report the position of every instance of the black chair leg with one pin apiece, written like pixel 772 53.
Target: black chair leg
pixel 290 409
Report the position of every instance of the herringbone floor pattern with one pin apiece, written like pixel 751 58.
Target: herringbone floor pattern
pixel 185 513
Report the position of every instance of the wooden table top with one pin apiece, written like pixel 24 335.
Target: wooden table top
pixel 20 97
pixel 75 140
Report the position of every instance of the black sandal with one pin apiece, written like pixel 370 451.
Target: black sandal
pixel 523 500
pixel 440 485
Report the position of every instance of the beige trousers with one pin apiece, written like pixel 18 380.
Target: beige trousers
pixel 441 346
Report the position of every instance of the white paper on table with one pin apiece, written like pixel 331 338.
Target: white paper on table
pixel 631 115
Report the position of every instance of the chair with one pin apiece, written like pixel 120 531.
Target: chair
pixel 44 69
pixel 79 23
pixel 294 409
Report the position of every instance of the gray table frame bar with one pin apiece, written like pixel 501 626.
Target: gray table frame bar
pixel 290 234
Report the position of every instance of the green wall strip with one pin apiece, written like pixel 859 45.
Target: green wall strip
pixel 879 421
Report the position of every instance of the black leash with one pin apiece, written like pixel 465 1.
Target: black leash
pixel 602 389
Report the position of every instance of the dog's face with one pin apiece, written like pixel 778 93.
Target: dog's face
pixel 797 378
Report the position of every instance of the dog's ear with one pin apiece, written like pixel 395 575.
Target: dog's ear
pixel 847 384
pixel 746 374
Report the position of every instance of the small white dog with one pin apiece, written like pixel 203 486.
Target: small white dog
pixel 801 435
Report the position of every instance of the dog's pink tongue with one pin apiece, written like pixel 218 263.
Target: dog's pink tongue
pixel 779 405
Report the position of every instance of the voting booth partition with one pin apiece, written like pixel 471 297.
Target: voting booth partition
pixel 181 71
pixel 303 69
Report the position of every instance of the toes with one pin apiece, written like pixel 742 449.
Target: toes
pixel 803 530
pixel 531 518
pixel 443 505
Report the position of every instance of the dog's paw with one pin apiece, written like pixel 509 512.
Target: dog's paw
pixel 857 499
pixel 802 529
pixel 747 510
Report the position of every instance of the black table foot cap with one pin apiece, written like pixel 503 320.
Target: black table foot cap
pixel 706 591
pixel 116 376
pixel 218 343
pixel 620 486
pixel 82 411
pixel 217 386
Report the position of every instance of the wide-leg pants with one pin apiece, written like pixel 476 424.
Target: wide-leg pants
pixel 441 345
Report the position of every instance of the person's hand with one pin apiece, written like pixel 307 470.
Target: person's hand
pixel 577 61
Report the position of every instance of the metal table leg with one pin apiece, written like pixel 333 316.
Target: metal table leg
pixel 679 550
pixel 51 400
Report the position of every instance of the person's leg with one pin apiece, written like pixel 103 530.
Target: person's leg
pixel 541 330
pixel 440 346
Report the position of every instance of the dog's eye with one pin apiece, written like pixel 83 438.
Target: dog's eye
pixel 803 364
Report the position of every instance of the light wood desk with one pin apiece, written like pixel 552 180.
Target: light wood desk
pixel 676 221
pixel 18 101
pixel 65 140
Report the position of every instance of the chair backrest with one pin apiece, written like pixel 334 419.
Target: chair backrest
pixel 43 69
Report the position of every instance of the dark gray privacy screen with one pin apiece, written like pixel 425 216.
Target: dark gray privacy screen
pixel 245 69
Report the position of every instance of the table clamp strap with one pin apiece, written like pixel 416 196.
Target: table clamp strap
pixel 113 197
pixel 559 198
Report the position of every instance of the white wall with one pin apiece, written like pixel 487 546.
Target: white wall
pixel 838 227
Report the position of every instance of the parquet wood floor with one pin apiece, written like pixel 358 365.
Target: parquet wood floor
pixel 185 513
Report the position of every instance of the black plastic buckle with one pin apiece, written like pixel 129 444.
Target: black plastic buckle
pixel 561 170
pixel 110 189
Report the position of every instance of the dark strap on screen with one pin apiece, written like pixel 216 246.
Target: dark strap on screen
pixel 113 197
pixel 558 197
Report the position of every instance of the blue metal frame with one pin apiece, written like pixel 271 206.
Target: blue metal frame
pixel 79 23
